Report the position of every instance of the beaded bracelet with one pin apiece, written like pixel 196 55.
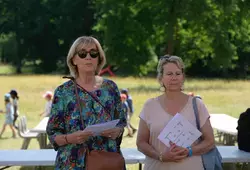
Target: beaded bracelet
pixel 190 151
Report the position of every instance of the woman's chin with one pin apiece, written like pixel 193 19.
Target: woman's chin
pixel 88 71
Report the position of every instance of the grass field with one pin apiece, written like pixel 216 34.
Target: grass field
pixel 220 96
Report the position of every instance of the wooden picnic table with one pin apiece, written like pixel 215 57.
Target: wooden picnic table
pixel 226 127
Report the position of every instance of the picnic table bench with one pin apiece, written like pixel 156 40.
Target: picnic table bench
pixel 46 157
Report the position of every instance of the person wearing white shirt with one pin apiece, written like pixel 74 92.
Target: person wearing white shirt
pixel 15 98
pixel 48 97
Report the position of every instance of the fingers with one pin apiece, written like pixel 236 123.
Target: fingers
pixel 171 143
pixel 111 130
pixel 86 133
pixel 180 151
pixel 111 133
pixel 179 158
pixel 176 149
pixel 108 135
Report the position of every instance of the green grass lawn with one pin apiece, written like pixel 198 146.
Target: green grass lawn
pixel 6 69
pixel 220 96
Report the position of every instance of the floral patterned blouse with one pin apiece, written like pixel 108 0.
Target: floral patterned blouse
pixel 65 119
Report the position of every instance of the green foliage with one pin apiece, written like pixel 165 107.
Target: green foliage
pixel 215 34
pixel 8 47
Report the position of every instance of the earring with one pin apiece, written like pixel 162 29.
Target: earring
pixel 182 87
pixel 162 88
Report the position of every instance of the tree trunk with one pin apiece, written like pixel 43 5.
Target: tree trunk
pixel 18 62
pixel 172 22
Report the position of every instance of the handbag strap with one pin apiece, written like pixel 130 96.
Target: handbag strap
pixel 116 115
pixel 94 97
pixel 196 112
pixel 79 103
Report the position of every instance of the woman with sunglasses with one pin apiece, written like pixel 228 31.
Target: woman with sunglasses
pixel 158 111
pixel 84 100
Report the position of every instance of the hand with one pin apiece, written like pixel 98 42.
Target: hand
pixel 175 153
pixel 112 133
pixel 79 137
pixel 176 148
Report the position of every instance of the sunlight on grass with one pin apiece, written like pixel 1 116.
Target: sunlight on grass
pixel 6 69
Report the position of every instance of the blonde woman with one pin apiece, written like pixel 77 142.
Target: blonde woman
pixel 158 111
pixel 69 116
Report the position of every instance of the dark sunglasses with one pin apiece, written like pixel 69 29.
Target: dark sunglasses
pixel 165 57
pixel 92 53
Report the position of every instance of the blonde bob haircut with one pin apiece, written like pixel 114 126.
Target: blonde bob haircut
pixel 169 59
pixel 78 44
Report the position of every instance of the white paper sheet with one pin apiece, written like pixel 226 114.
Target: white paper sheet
pixel 179 131
pixel 98 128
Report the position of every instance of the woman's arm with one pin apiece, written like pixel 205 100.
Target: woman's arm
pixel 142 141
pixel 207 140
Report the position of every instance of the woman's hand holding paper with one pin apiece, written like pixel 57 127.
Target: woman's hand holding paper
pixel 112 133
pixel 175 153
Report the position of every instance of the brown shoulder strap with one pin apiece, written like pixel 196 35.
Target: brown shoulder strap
pixel 96 99
pixel 79 104
pixel 77 99
pixel 116 114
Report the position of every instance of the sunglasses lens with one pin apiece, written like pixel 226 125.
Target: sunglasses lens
pixel 82 54
pixel 94 54
pixel 165 57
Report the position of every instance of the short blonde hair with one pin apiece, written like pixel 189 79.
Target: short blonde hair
pixel 76 46
pixel 169 59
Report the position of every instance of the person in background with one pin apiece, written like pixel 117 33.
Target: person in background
pixel 48 97
pixel 15 97
pixel 126 110
pixel 131 108
pixel 9 117
pixel 192 94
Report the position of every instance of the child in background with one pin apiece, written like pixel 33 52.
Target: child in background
pixel 15 98
pixel 130 106
pixel 126 110
pixel 9 117
pixel 48 97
